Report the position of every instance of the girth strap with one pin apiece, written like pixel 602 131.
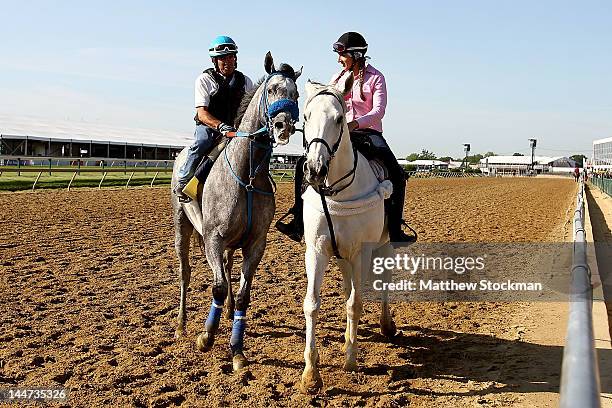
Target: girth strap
pixel 330 224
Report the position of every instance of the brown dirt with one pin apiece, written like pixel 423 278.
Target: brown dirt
pixel 89 295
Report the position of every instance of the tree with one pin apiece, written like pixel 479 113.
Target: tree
pixel 475 159
pixel 412 157
pixel 579 159
pixel 446 159
pixel 489 154
pixel 517 154
pixel 427 155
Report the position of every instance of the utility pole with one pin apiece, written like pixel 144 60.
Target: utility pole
pixel 532 144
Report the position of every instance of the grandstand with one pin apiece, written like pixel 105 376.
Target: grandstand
pixel 522 164
pixel 29 138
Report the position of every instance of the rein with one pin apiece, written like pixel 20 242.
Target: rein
pixel 271 111
pixel 329 190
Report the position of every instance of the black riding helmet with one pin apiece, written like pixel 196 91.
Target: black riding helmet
pixel 352 43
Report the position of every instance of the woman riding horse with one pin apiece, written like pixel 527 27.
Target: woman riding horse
pixel 366 104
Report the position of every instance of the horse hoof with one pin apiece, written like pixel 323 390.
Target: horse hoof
pixel 239 362
pixel 179 333
pixel 388 330
pixel 311 383
pixel 205 341
pixel 350 365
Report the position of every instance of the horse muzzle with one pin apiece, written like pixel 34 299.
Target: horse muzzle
pixel 282 128
pixel 316 172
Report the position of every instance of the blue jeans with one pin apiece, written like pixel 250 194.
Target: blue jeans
pixel 205 138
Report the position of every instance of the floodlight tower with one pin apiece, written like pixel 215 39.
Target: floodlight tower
pixel 532 144
pixel 466 149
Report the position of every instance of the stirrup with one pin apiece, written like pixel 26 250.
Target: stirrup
pixel 403 239
pixel 289 228
pixel 182 197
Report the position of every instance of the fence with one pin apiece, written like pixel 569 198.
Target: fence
pixel 440 174
pixel 100 165
pixel 580 375
pixel 604 184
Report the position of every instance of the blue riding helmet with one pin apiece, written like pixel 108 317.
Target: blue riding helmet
pixel 222 45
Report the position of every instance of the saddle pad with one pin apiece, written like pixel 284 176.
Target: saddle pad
pixel 379 170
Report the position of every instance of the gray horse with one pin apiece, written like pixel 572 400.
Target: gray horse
pixel 238 183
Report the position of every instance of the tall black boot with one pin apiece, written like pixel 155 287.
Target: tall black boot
pixel 395 204
pixel 294 229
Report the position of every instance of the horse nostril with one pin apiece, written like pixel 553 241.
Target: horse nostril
pixel 279 125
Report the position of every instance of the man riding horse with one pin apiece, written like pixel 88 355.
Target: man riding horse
pixel 218 92
pixel 366 105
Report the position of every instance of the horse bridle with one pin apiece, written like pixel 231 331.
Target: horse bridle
pixel 329 190
pixel 268 112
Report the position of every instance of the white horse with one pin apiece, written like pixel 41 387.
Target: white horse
pixel 355 198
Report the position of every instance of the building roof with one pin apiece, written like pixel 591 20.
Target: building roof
pixel 428 163
pixel 58 131
pixel 598 141
pixel 521 159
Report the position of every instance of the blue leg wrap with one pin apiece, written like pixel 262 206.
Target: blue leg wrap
pixel 212 323
pixel 237 340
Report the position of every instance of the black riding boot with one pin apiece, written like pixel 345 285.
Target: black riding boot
pixel 395 203
pixel 294 229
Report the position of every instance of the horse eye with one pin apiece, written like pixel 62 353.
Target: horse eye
pixel 339 120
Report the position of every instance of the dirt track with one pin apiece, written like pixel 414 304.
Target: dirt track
pixel 89 293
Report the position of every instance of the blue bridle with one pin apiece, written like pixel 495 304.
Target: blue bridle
pixel 270 112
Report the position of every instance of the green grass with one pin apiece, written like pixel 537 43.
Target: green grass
pixel 13 182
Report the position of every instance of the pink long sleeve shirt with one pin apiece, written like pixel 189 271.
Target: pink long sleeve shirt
pixel 369 112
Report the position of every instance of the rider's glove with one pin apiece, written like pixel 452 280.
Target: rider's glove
pixel 223 128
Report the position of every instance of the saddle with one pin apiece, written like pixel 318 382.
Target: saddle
pixel 195 186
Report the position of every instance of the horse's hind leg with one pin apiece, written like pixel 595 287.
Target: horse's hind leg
pixel 214 255
pixel 251 258
pixel 354 310
pixel 387 326
pixel 228 259
pixel 183 231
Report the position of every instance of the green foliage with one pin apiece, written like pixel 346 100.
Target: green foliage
pixel 427 155
pixel 579 159
pixel 517 154
pixel 489 154
pixel 446 159
pixel 475 159
pixel 412 157
pixel 424 155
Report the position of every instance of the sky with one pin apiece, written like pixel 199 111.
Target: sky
pixel 489 73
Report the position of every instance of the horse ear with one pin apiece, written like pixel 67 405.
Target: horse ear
pixel 347 86
pixel 310 87
pixel 298 73
pixel 269 63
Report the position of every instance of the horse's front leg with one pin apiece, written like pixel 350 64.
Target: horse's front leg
pixel 214 255
pixel 354 310
pixel 228 258
pixel 183 231
pixel 251 258
pixel 315 267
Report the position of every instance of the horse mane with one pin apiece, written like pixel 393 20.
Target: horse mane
pixel 328 88
pixel 246 101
